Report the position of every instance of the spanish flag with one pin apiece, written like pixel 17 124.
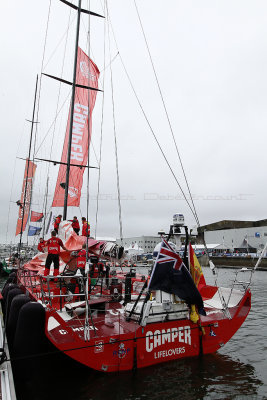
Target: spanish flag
pixel 195 269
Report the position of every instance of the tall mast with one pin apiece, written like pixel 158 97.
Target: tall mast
pixel 72 111
pixel 28 162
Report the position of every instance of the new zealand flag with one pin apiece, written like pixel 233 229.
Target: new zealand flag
pixel 34 230
pixel 171 275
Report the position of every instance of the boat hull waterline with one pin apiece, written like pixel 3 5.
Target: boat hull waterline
pixel 118 345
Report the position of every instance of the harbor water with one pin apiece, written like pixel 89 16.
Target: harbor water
pixel 237 371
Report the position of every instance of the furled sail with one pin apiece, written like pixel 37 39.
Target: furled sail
pixel 24 203
pixel 87 75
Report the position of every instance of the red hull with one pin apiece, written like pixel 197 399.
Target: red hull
pixel 117 344
pixel 120 345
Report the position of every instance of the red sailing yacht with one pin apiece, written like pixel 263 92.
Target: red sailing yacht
pixel 124 321
pixel 119 343
pixel 121 321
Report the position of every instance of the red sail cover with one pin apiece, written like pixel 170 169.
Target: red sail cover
pixel 87 75
pixel 36 216
pixel 31 172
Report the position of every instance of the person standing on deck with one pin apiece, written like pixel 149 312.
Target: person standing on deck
pixel 86 227
pixel 57 222
pixel 53 249
pixel 75 225
pixel 81 259
pixel 81 262
pixel 41 245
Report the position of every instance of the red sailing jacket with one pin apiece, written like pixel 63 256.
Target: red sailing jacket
pixel 57 222
pixel 41 246
pixel 53 245
pixel 86 229
pixel 75 223
pixel 81 260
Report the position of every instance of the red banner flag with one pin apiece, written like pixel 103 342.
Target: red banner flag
pixel 31 171
pixel 36 216
pixel 87 75
pixel 195 269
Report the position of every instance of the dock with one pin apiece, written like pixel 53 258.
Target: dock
pixel 7 387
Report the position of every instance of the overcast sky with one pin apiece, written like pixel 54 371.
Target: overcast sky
pixel 211 61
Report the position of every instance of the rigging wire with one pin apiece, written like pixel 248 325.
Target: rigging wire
pixel 40 85
pixel 111 62
pixel 32 122
pixel 52 124
pixel 59 43
pixel 167 115
pixel 115 138
pixel 57 104
pixel 86 31
pixel 101 127
pixel 194 211
pixel 39 93
pixel 88 130
pixel 88 308
pixel 149 124
pixel 59 90
pixel 11 193
pixel 191 207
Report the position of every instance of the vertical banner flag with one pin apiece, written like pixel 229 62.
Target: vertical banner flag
pixel 31 172
pixel 195 269
pixel 87 75
pixel 36 216
pixel 171 276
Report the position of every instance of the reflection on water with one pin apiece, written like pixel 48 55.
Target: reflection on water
pixel 214 376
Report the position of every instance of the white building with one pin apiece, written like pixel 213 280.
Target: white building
pixel 146 243
pixel 245 236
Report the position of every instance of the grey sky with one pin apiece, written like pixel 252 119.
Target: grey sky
pixel 211 60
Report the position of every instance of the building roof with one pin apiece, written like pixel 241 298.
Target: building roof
pixel 231 224
pixel 211 246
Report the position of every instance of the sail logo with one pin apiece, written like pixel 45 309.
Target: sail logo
pixel 73 192
pixel 85 71
pixel 157 338
pixel 78 144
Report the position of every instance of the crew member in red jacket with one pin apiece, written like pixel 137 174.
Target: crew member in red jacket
pixel 41 245
pixel 86 227
pixel 53 248
pixel 75 224
pixel 57 222
pixel 81 259
pixel 81 262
